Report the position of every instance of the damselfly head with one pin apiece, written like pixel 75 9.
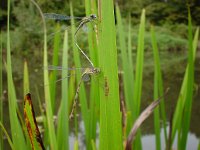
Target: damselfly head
pixel 91 71
pixel 96 70
pixel 93 16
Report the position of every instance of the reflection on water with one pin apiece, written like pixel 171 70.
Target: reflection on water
pixel 148 141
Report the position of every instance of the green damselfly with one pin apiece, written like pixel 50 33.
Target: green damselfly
pixel 84 20
pixel 85 76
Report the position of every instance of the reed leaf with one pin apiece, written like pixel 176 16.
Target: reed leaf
pixel 93 145
pixel 26 79
pixel 16 129
pixel 76 145
pixel 51 129
pixel 7 136
pixel 158 91
pixel 182 95
pixel 26 90
pixel 53 75
pixel 71 90
pixel 128 120
pixel 31 124
pixel 110 116
pixel 139 75
pixel 90 7
pixel 127 66
pixel 62 130
pixel 185 123
pixel 128 75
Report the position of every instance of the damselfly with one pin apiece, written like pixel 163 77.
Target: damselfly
pixel 87 72
pixel 84 20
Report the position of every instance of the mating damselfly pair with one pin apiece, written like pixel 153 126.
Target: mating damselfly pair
pixel 86 71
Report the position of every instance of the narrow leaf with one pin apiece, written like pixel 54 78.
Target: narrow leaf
pixel 31 124
pixel 110 115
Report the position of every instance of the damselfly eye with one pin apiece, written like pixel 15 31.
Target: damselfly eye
pixel 86 78
pixel 93 16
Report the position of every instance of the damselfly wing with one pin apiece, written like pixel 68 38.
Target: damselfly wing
pixel 55 16
pixel 86 72
pixel 60 17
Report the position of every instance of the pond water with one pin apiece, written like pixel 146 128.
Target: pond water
pixel 148 139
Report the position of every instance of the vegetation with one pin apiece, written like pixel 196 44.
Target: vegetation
pixel 100 102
